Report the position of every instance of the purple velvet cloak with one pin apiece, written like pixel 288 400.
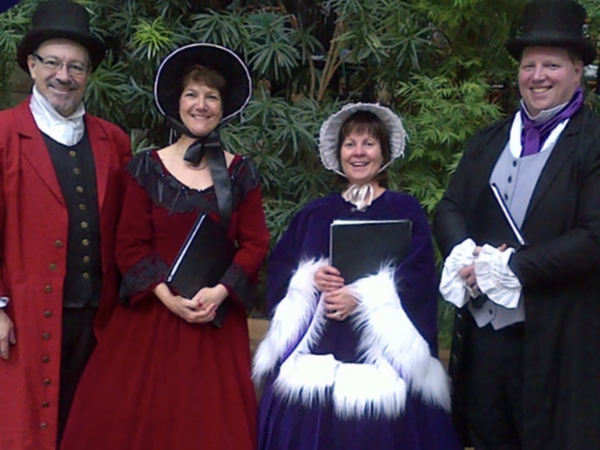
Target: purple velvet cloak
pixel 285 425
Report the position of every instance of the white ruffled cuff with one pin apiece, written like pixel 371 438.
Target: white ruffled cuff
pixel 452 287
pixel 495 278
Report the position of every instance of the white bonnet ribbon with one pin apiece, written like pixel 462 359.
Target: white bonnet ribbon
pixel 360 196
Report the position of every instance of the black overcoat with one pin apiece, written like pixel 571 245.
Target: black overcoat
pixel 559 271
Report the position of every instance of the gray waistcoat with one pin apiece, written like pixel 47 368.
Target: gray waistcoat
pixel 516 178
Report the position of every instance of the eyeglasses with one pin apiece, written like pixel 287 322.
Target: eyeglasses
pixel 54 65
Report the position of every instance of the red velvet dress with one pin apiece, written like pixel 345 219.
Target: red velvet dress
pixel 155 381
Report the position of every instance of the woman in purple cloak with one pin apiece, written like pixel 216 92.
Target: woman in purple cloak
pixel 353 366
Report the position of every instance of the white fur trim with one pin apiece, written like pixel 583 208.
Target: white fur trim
pixel 291 317
pixel 396 357
pixel 306 378
pixel 388 332
pixel 368 390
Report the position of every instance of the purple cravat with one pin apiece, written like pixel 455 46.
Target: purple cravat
pixel 534 135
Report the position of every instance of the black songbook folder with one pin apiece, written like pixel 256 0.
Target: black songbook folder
pixel 202 260
pixel 362 247
pixel 508 216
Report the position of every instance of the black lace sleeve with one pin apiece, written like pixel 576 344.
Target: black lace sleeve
pixel 141 277
pixel 243 289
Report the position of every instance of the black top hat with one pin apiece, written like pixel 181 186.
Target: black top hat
pixel 553 23
pixel 60 19
pixel 167 85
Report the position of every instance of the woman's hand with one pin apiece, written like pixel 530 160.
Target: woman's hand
pixel 182 307
pixel 339 304
pixel 208 299
pixel 328 279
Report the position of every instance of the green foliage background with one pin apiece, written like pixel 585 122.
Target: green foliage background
pixel 441 64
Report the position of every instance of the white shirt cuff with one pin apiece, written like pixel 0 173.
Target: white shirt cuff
pixel 495 278
pixel 452 287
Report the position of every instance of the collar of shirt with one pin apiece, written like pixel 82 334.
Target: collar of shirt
pixel 544 115
pixel 66 130
pixel 514 141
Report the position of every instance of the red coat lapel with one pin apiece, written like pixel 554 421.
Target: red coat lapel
pixel 34 149
pixel 102 154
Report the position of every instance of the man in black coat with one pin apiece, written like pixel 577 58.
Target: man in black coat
pixel 519 228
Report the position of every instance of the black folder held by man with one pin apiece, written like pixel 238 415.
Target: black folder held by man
pixel 361 247
pixel 202 260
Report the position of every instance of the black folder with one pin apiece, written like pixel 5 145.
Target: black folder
pixel 508 216
pixel 202 260
pixel 361 247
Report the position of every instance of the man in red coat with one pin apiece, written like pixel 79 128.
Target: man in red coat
pixel 61 175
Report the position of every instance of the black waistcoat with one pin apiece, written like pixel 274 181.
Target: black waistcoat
pixel 76 173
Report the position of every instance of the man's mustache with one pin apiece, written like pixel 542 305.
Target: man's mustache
pixel 62 83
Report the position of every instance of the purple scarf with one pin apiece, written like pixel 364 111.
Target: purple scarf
pixel 534 135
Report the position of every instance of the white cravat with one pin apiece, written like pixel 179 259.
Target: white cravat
pixel 66 130
pixel 360 196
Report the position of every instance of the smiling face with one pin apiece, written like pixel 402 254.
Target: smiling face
pixel 62 88
pixel 548 77
pixel 200 108
pixel 361 157
pixel 363 147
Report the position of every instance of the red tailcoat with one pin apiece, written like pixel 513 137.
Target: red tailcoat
pixel 33 256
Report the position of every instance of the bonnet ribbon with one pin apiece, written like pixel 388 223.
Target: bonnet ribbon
pixel 210 146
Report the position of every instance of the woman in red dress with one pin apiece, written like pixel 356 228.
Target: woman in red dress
pixel 163 376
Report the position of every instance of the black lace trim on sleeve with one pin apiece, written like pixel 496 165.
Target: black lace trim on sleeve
pixel 236 279
pixel 142 276
pixel 166 191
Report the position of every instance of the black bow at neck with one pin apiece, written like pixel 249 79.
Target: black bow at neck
pixel 210 146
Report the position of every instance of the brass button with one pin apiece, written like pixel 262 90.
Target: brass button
pixel 86 275
pixel 47 289
pixel 47 382
pixel 45 404
pixel 58 244
pixel 79 189
pixel 72 153
pixel 47 314
pixel 84 224
pixel 76 171
pixel 85 242
pixel 46 335
pixel 53 267
pixel 44 426
pixel 86 259
pixel 81 207
pixel 45 359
